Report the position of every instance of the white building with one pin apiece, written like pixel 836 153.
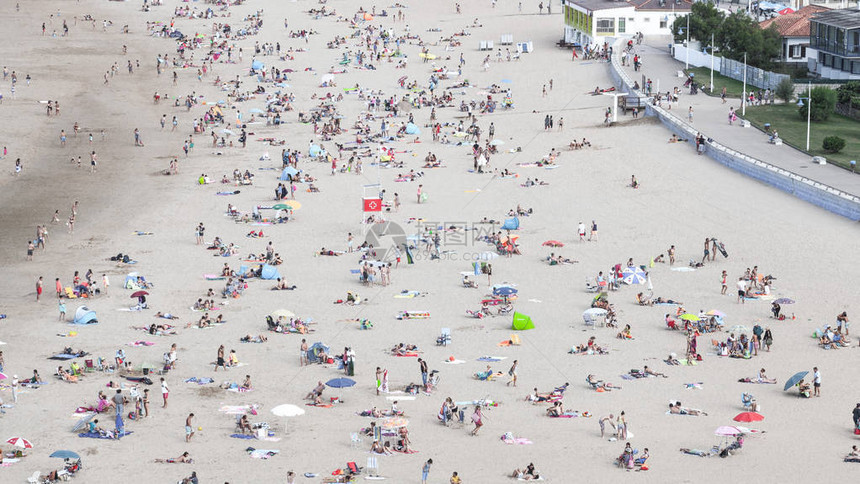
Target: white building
pixel 598 21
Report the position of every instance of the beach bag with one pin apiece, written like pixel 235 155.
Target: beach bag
pixel 857 431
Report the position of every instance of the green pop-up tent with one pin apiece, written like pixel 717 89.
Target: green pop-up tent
pixel 522 322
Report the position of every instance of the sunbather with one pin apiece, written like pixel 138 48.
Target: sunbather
pixel 700 453
pixel 66 376
pixel 677 409
pixel 316 392
pixel 649 371
pixel 182 459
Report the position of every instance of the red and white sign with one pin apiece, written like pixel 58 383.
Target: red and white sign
pixel 372 205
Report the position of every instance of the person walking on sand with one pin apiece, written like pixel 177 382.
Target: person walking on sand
pixel 420 187
pixel 422 366
pixel 165 392
pixel 200 230
pixel 303 357
pixel 105 283
pixel 724 282
pixel 425 471
pixel 707 249
pixel 593 235
pixel 62 307
pixel 581 231
pixel 513 374
pixel 622 426
pixel 378 379
pixel 220 361
pixel 816 382
pixel 189 430
pixel 477 419
pixel 671 253
pixel 742 290
pixel 39 289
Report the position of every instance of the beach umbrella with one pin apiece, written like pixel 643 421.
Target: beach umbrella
pixel 504 284
pixel 281 206
pixel 504 291
pixel 727 431
pixel 287 410
pixel 487 256
pixel 283 313
pixel 3 376
pixel 340 382
pixel 714 312
pixel 290 171
pixel 227 132
pixel 20 442
pixel 497 142
pixel 786 11
pixel 65 454
pixel 739 328
pixel 634 275
pixel 794 379
pixel 138 294
pixel 393 423
pixel 689 317
pixel 83 421
pixel 291 204
pixel 784 300
pixel 553 243
pixel 748 417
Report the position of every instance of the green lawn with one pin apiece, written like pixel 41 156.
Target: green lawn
pixel 792 129
pixel 733 88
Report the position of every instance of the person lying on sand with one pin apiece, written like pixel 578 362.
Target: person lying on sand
pixel 182 459
pixel 649 371
pixel 594 382
pixel 677 409
pixel 165 315
pixel 700 453
pixel 253 339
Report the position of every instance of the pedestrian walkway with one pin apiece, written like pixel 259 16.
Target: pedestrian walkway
pixel 710 117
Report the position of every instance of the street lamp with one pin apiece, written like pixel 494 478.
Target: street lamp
pixel 808 111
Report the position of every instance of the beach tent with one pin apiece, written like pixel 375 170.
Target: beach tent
pixel 511 224
pixel 288 172
pixel 269 272
pixel 257 65
pixel 131 281
pixel 412 129
pixel 85 315
pixel 522 322
pixel 315 350
pixel 314 151
pixel 368 16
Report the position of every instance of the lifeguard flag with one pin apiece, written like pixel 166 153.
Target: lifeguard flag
pixel 372 205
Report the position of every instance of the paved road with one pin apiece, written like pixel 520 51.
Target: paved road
pixel 710 117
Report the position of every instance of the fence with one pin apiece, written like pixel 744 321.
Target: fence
pixel 757 77
pixel 729 68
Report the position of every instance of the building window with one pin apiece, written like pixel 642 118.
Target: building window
pixel 664 22
pixel 605 26
pixel 796 51
pixel 855 67
pixel 622 25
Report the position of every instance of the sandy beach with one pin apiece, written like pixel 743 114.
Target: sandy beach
pixel 681 200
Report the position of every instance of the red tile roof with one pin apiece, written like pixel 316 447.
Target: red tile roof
pixel 794 24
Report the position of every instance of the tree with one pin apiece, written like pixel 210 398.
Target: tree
pixel 785 90
pixel 849 93
pixel 705 19
pixel 740 34
pixel 823 102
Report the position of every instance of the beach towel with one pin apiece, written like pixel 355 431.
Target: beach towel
pixel 405 355
pixel 262 453
pixel 213 277
pixel 517 441
pixel 62 356
pixel 140 343
pixel 454 362
pixel 242 436
pixel 321 405
pixel 492 358
pixel 96 435
pixel 200 381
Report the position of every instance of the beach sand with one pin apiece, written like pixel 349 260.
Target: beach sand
pixel 683 199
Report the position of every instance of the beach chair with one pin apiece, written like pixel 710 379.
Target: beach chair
pixel 372 463
pixel 88 366
pixel 444 338
pixel 354 440
pixel 35 478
